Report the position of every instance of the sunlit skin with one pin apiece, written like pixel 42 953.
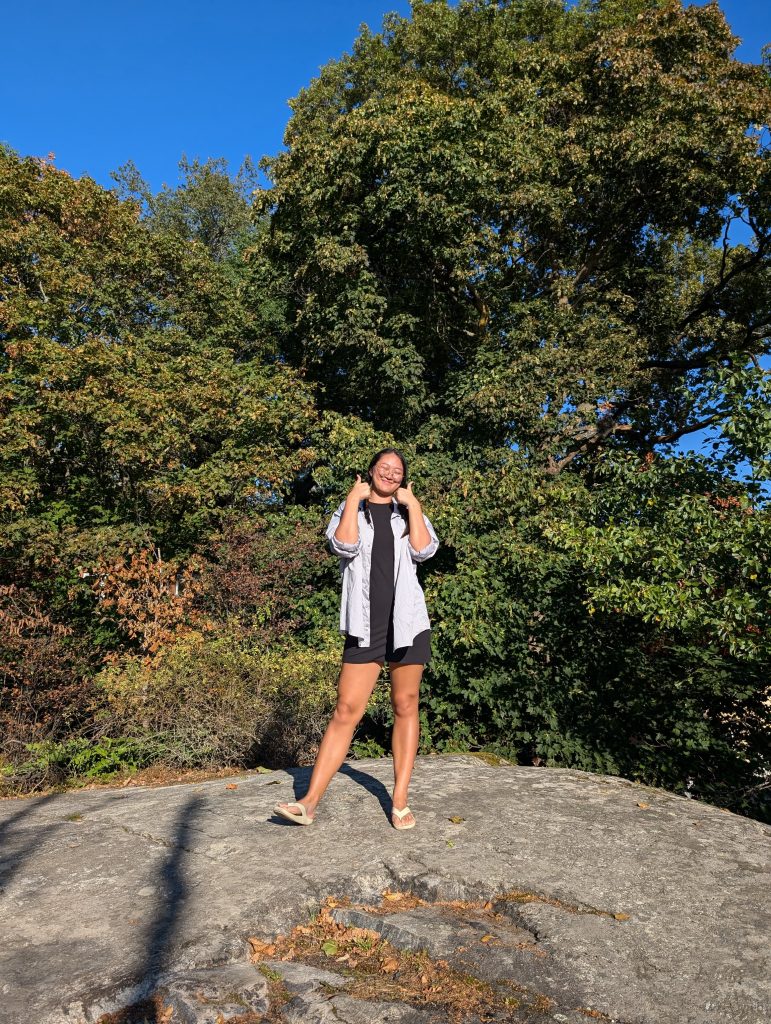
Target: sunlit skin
pixel 356 682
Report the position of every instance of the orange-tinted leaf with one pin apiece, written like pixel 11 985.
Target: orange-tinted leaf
pixel 260 948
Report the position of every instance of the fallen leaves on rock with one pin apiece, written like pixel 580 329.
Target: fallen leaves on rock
pixel 405 900
pixel 520 896
pixel 379 970
pixel 153 1008
pixel 261 949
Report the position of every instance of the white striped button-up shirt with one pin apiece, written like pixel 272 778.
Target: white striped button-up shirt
pixel 410 614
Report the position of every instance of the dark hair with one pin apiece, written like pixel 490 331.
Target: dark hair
pixel 402 508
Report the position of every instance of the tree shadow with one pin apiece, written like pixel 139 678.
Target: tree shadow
pixel 156 951
pixel 174 891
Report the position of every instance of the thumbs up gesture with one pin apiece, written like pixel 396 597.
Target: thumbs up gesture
pixel 405 496
pixel 360 489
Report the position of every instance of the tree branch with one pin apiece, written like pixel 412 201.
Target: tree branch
pixel 609 425
pixel 709 295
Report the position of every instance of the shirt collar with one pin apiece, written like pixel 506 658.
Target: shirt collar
pixel 394 506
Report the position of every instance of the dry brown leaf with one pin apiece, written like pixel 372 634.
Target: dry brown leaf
pixel 621 917
pixel 643 806
pixel 232 785
pixel 487 938
pixel 390 965
pixel 392 895
pixel 362 933
pixel 260 948
pixel 456 820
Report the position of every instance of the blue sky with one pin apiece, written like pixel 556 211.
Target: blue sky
pixel 100 83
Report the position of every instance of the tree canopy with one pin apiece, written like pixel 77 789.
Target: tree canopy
pixel 519 218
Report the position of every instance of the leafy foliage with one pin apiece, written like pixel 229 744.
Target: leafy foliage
pixel 208 206
pixel 502 216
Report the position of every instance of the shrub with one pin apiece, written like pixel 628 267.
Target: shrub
pixel 225 699
pixel 55 762
pixel 45 690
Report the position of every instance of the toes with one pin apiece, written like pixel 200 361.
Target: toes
pixel 408 819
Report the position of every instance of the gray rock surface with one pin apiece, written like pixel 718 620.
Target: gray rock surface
pixel 299 977
pixel 202 997
pixel 106 893
pixel 316 1008
pixel 439 935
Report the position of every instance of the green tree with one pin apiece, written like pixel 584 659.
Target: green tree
pixel 135 401
pixel 138 406
pixel 208 206
pixel 504 215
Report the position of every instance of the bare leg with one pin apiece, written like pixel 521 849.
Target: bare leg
pixel 354 688
pixel 405 687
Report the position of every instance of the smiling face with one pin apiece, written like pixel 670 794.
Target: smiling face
pixel 387 475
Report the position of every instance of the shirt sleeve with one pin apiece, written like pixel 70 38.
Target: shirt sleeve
pixel 339 547
pixel 430 548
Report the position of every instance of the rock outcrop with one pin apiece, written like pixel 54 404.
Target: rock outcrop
pixel 553 895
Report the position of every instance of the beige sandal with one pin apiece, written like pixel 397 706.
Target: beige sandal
pixel 400 815
pixel 298 819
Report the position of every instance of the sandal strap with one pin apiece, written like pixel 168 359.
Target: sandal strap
pixel 401 814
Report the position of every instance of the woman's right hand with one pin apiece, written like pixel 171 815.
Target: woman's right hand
pixel 359 490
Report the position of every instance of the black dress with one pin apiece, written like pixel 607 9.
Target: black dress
pixel 381 603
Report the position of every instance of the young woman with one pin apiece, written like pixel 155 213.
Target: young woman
pixel 379 533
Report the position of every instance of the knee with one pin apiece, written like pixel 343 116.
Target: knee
pixel 406 705
pixel 347 713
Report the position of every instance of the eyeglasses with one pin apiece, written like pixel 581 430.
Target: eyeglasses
pixel 390 472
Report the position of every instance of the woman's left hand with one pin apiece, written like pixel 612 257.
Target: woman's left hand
pixel 405 496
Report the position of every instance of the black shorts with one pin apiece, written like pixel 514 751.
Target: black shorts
pixel 418 653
